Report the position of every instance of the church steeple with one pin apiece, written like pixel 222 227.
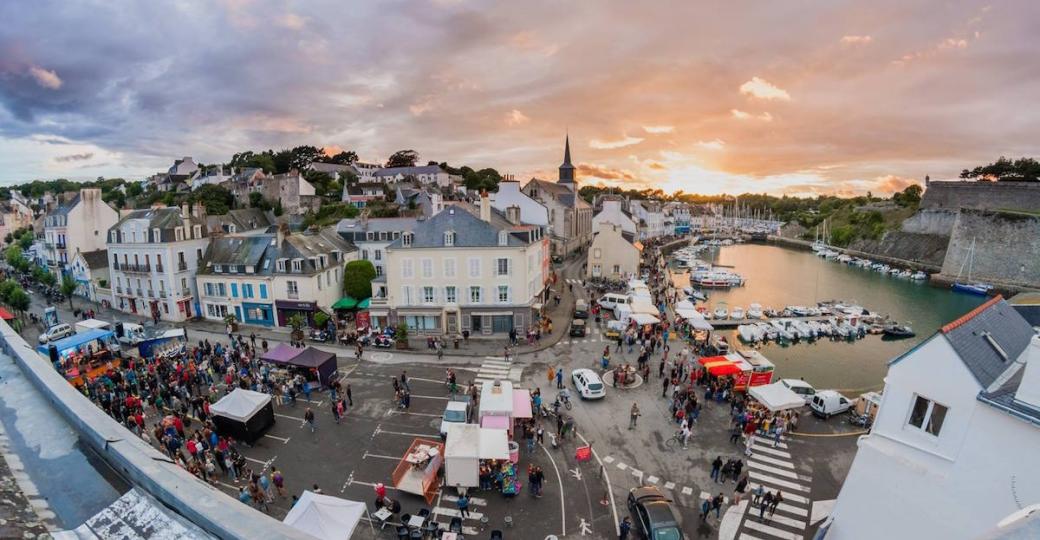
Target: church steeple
pixel 566 170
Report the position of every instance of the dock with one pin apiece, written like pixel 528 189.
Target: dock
pixel 720 324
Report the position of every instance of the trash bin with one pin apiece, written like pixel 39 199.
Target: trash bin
pixel 514 452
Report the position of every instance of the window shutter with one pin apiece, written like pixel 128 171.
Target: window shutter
pixel 509 298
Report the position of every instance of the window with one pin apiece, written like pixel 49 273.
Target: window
pixel 280 265
pixel 502 267
pixel 156 235
pixel 364 254
pixel 503 293
pixel 474 295
pixel 427 268
pixel 597 253
pixel 382 236
pixel 449 238
pixel 379 254
pixel 503 238
pixel 218 268
pixel 321 261
pixel 406 239
pixel 406 268
pixel 178 234
pixel 234 290
pixel 449 294
pixel 198 231
pixel 297 265
pixel 247 290
pixel 209 289
pixel 263 290
pixel 449 268
pixel 427 295
pixel 406 292
pixel 292 289
pixel 927 415
pixel 221 290
pixel 617 268
pixel 474 268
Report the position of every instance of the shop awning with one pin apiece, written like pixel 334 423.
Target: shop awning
pixel 522 404
pixel 6 315
pixel 643 318
pixel 495 422
pixel 364 303
pixel 719 365
pixel 345 303
pixel 776 396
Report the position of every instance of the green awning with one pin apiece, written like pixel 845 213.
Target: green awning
pixel 345 303
pixel 364 303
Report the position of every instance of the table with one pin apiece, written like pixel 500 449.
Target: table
pixel 416 521
pixel 382 515
pixel 449 536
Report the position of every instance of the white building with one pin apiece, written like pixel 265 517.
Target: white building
pixel 373 235
pixel 78 225
pixel 613 214
pixel 154 254
pixel 953 450
pixel 14 215
pixel 463 272
pixel 425 174
pixel 613 256
pixel 679 215
pixel 509 195
pixel 90 270
pixel 650 217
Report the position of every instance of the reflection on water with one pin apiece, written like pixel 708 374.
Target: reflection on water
pixel 777 277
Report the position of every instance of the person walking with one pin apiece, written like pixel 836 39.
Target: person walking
pixel 624 527
pixel 777 499
pixel 279 481
pixel 404 381
pixel 716 505
pixel 309 418
pixel 551 374
pixel 705 507
pixel 738 491
pixel 633 416
pixel 335 411
pixel 767 501
pixel 559 378
pixel 463 505
pixel 716 468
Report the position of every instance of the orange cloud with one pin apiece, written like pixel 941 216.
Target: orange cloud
pixel 605 173
pixel 742 115
pixel 891 183
pixel 659 129
pixel 516 118
pixel 763 89
pixel 610 145
pixel 656 165
pixel 46 78
pixel 332 150
pixel 856 40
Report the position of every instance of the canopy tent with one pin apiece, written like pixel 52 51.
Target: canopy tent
pixel 642 305
pixel 687 313
pixel 243 414
pixel 699 323
pixel 319 365
pixel 281 354
pixel 364 304
pixel 644 318
pixel 719 365
pixel 465 446
pixel 496 398
pixel 6 315
pixel 495 422
pixel 522 404
pixel 685 304
pixel 325 517
pixel 75 341
pixel 346 302
pixel 776 396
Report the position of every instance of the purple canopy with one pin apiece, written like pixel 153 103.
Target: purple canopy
pixel 282 354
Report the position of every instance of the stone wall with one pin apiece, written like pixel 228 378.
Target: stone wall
pixel 1022 196
pixel 930 221
pixel 926 250
pixel 1007 247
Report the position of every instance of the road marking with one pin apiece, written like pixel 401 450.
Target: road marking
pixel 768 442
pixel 776 481
pixel 792 509
pixel 559 481
pixel 652 479
pixel 380 431
pixel 686 490
pixel 769 450
pixel 772 531
pixel 289 417
pixel 254 460
pixel 610 489
pixel 774 461
pixel 392 412
pixel 444 398
pixel 669 485
pixel 794 524
pixel 476 501
pixel 777 471
pixel 452 512
pixel 367 455
pixel 622 466
pixel 284 440
pixel 788 496
pixel 608 459
pixel 746 536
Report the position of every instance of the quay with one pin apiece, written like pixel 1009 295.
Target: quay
pixel 733 323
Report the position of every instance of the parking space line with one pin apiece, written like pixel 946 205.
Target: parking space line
pixel 289 417
pixel 392 412
pixel 367 455
pixel 444 398
pixel 559 482
pixel 380 431
pixel 284 440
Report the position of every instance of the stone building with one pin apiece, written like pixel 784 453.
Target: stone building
pixel 570 217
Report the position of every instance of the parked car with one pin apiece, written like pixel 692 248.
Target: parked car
pixel 588 384
pixel 581 309
pixel 456 412
pixel 578 328
pixel 655 517
pixel 56 332
pixel 827 403
pixel 801 388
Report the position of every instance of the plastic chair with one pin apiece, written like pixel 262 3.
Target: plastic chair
pixel 405 518
pixel 416 534
pixel 402 533
pixel 496 535
pixel 424 512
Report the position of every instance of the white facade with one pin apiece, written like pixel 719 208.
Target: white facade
pixel 79 225
pixel 611 256
pixel 90 280
pixel 532 212
pixel 959 473
pixel 651 219
pixel 613 214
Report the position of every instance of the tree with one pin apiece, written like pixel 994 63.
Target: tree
pixel 7 286
pixel 321 319
pixel 909 197
pixel 403 158
pixel 19 300
pixel 257 200
pixel 343 158
pixel 26 239
pixel 252 160
pixel 484 179
pixel 68 287
pixel 357 279
pixel 217 199
pixel 134 189
pixel 402 333
pixel 13 255
pixel 322 182
pixel 1006 170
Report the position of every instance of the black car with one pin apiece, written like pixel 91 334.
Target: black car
pixel 653 514
pixel 578 328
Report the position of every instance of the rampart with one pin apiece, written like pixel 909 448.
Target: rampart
pixel 949 195
pixel 1007 248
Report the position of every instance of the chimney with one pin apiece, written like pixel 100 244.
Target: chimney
pixel 199 211
pixel 485 207
pixel 1028 392
pixel 513 214
pixel 184 211
pixel 283 229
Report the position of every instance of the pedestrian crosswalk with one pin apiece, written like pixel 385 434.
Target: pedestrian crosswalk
pixel 574 281
pixel 492 370
pixel 447 508
pixel 771 468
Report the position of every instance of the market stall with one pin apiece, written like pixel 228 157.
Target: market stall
pixel 243 414
pixel 417 472
pixel 83 356
pixel 719 366
pixel 314 364
pixel 776 397
pixel 325 517
pixel 467 448
pixel 755 369
pixel 496 399
pixel 644 319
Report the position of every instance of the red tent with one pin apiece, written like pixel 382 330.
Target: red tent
pixel 6 315
pixel 719 365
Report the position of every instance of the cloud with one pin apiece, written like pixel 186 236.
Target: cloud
pixel 46 78
pixel 763 89
pixel 610 145
pixel 953 43
pixel 529 41
pixel 74 157
pixel 659 129
pixel 331 149
pixel 891 183
pixel 421 107
pixel 947 44
pixel 741 115
pixel 714 144
pixel 856 40
pixel 516 118
pixel 605 173
pixel 293 21
pixel 656 165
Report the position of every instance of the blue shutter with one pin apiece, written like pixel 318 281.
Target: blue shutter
pixel 263 290
pixel 234 290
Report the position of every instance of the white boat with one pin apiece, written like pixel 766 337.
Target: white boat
pixel 736 313
pixel 919 276
pixel 844 258
pixel 905 274
pixel 754 311
pixel 727 242
pixel 721 312
pixel 768 332
pixel 781 329
pixel 894 271
pixel 800 311
pixel 853 310
pixel 748 333
pixel 804 330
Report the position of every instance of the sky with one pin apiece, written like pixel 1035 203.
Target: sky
pixel 785 97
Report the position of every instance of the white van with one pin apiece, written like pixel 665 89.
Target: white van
pixel 613 300
pixel 827 403
pixel 801 388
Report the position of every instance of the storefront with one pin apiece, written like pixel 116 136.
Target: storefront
pixel 487 323
pixel 288 308
pixel 259 314
pixel 422 322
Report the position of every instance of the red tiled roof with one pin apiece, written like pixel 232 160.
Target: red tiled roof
pixel 971 314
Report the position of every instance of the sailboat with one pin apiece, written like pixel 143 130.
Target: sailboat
pixel 978 287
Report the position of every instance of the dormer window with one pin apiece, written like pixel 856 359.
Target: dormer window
pixel 503 238
pixel 406 239
pixel 218 268
pixel 178 234
pixel 280 265
pixel 197 231
pixel 321 261
pixel 156 235
pixel 297 265
pixel 449 238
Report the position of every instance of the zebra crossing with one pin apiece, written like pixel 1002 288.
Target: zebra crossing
pixel 447 509
pixel 493 369
pixel 772 469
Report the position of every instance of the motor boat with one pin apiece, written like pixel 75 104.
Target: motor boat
pixel 804 329
pixel 754 311
pixel 894 271
pixel 919 276
pixel 844 259
pixel 749 333
pixel 979 288
pixel 781 329
pixel 767 330
pixel 721 344
pixel 737 313
pixel 800 311
pixel 721 311
pixel 898 331
pixel 905 274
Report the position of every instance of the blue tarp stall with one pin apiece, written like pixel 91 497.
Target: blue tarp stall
pixel 161 343
pixel 82 339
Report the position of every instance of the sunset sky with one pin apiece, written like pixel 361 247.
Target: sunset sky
pixel 786 96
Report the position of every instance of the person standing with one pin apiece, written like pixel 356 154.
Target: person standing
pixel 404 381
pixel 705 507
pixel 463 504
pixel 766 502
pixel 716 505
pixel 716 468
pixel 633 416
pixel 738 492
pixel 624 527
pixel 350 398
pixel 309 418
pixel 278 480
pixel 335 410
pixel 777 499
pixel 559 378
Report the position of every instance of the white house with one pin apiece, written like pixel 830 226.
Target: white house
pixel 953 449
pixel 613 256
pixel 425 174
pixel 613 214
pixel 373 235
pixel 651 219
pixel 80 224
pixel 90 270
pixel 14 215
pixel 154 254
pixel 509 195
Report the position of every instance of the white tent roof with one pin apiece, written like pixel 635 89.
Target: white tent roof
pixel 685 304
pixel 325 517
pixel 776 396
pixel 643 318
pixel 496 401
pixel 643 305
pixel 473 441
pixel 240 404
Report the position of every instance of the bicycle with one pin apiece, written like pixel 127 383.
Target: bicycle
pixel 675 440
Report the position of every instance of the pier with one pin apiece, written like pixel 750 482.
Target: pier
pixel 726 324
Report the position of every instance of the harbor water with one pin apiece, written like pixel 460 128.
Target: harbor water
pixel 777 277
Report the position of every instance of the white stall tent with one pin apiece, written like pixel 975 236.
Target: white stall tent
pixel 776 396
pixel 465 446
pixel 325 517
pixel 240 404
pixel 496 399
pixel 644 318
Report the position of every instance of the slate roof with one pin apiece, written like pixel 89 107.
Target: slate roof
pixel 67 207
pixel 470 231
pixel 376 224
pixel 1004 398
pixel 1027 304
pixel 424 169
pixel 95 259
pixel 989 339
pixel 165 219
pixel 260 251
pixel 551 187
pixel 244 219
pixel 236 250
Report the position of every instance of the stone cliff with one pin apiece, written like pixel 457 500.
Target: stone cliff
pixel 1007 248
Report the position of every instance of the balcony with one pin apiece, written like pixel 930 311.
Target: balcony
pixel 139 293
pixel 378 301
pixel 135 268
pixel 182 266
pixel 151 293
pixel 159 268
pixel 162 294
pixel 293 295
pixel 119 290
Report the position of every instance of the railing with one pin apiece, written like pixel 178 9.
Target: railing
pixel 158 268
pixel 151 293
pixel 293 295
pixel 119 290
pixel 162 294
pixel 139 293
pixel 131 268
pixel 378 300
pixel 182 266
